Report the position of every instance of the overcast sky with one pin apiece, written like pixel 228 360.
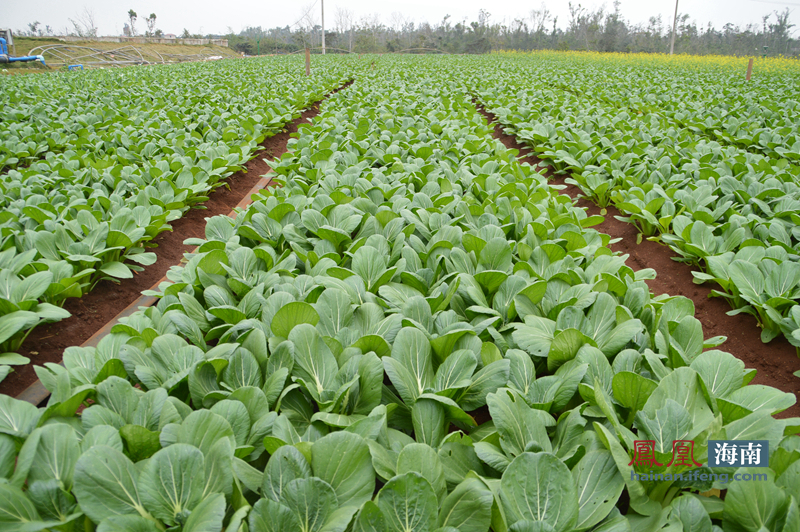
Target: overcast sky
pixel 213 16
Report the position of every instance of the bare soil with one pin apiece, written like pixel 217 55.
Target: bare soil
pixel 775 362
pixel 90 313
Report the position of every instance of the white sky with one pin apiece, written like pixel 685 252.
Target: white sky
pixel 213 16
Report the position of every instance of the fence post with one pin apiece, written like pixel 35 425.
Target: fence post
pixel 749 69
pixel 308 62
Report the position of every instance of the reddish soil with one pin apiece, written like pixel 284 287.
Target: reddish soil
pixel 90 313
pixel 775 362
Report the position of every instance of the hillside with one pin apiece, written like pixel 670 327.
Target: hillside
pixel 155 53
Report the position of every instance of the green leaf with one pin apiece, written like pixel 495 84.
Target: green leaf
pixel 468 508
pixel 17 321
pixel 517 423
pixel 748 280
pixel 421 458
pixel 270 516
pixel 172 481
pixel 249 477
pixel 535 336
pixel 236 414
pixel 721 372
pixel 335 312
pixel 105 484
pixel 565 347
pixel 140 443
pixel 532 526
pixel 687 338
pixel 783 279
pixel 754 506
pixel 539 487
pixel 690 512
pixel 291 315
pixel 32 287
pixel 370 379
pixel 369 264
pixel 430 422
pixel 484 382
pixel 15 508
pixel 127 523
pixel 495 255
pixel 116 269
pixel 408 503
pixel 640 502
pixel 207 516
pixel 314 362
pixel 757 397
pixel 219 468
pixel 599 487
pixel 312 500
pixel 343 460
pixel 456 371
pixel 613 342
pixel 285 464
pixel 56 455
pixel 682 387
pixel 411 351
pixel 631 390
pixel 201 428
pixel 370 519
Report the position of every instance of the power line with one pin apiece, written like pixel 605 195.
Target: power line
pixel 305 14
pixel 771 2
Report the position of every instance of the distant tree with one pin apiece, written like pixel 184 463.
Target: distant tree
pixel 151 24
pixel 85 25
pixel 614 31
pixel 780 31
pixel 158 33
pixel 343 22
pixel 34 28
pixel 244 46
pixel 126 30
pixel 132 19
pixel 186 34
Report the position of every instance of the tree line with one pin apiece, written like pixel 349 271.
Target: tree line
pixel 600 29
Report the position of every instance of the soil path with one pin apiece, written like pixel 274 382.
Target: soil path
pixel 47 342
pixel 775 362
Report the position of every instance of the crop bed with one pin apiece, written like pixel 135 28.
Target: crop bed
pixel 776 362
pixel 91 312
pixel 708 167
pixel 82 201
pixel 413 331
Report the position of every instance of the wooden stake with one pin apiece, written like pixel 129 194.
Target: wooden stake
pixel 308 62
pixel 749 69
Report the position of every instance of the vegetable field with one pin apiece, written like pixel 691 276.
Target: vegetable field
pixel 95 167
pixel 410 330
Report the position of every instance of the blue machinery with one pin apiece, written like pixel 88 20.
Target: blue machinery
pixel 6 58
